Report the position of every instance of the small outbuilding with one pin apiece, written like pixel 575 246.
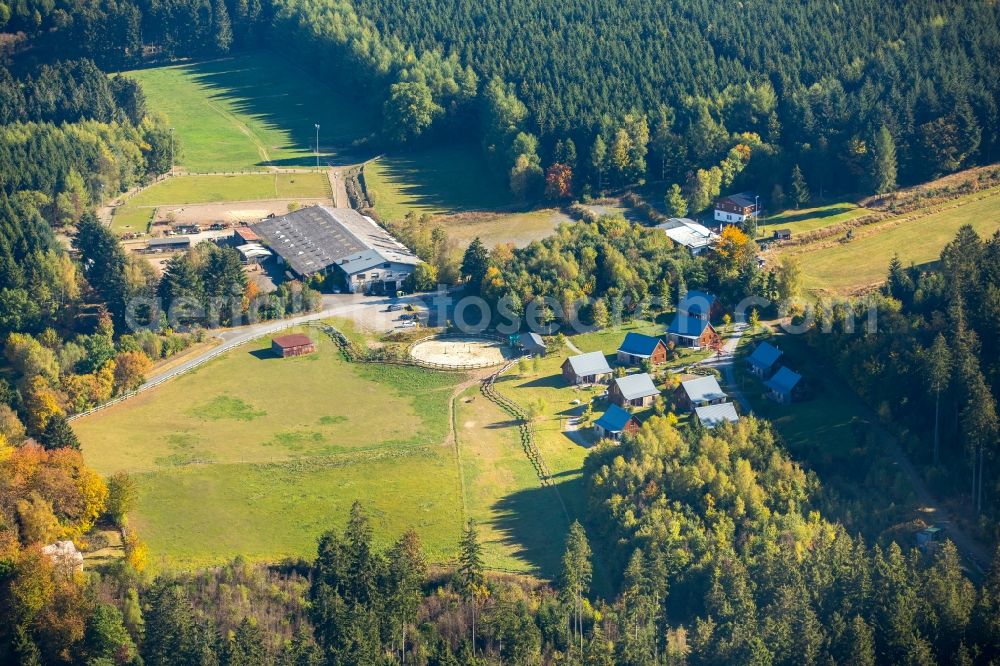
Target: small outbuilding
pixel 785 385
pixel 590 368
pixel 699 392
pixel 694 332
pixel 710 416
pixel 295 344
pixel 637 348
pixel 614 423
pixel 253 253
pixel 633 390
pixel 782 234
pixel 532 343
pixel 168 244
pixel 761 361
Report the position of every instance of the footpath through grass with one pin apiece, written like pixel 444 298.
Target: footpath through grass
pixel 252 110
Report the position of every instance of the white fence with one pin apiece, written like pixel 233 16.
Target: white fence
pixel 186 369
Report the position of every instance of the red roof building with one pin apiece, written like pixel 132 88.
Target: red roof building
pixel 295 344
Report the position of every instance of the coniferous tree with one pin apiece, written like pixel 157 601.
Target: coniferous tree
pixel 800 191
pixel 884 162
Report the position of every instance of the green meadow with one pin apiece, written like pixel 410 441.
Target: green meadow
pixel 259 455
pixel 254 110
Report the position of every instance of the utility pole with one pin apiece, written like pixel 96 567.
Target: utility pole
pixel 317 145
pixel 756 216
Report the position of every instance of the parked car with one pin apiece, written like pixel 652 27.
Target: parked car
pixel 395 307
pixel 408 324
pixel 407 317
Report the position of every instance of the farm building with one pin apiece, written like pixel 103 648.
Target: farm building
pixel 710 416
pixel 586 368
pixel 761 361
pixel 532 343
pixel 782 234
pixel 253 253
pixel 294 344
pixel 699 392
pixel 168 244
pixel 736 208
pixel 633 390
pixel 784 386
pixel 636 348
pixel 687 331
pixel 319 239
pixel 700 304
pixel 244 235
pixel 690 235
pixel 614 423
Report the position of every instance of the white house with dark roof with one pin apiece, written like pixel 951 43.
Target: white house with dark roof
pixel 590 368
pixel 737 208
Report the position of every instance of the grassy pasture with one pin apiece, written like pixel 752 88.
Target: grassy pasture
pixel 496 228
pixel 182 190
pixel 441 180
pixel 257 455
pixel 135 214
pixel 810 219
pixel 917 237
pixel 131 219
pixel 253 110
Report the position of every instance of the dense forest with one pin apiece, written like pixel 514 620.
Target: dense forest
pixel 814 98
pixel 933 367
pixel 712 540
pixel 815 82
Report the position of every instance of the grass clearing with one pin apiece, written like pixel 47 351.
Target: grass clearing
pixel 810 219
pixel 496 228
pixel 253 110
pixel 244 187
pixel 441 180
pixel 131 219
pixel 917 237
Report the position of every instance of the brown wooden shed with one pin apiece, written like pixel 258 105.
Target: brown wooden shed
pixel 295 344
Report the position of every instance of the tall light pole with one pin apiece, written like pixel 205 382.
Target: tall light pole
pixel 317 145
pixel 756 216
pixel 171 150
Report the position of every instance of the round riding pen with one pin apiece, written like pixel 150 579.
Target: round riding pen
pixel 461 352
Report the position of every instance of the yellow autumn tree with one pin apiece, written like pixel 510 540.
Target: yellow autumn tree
pixel 41 403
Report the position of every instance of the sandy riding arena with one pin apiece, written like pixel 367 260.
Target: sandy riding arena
pixel 461 352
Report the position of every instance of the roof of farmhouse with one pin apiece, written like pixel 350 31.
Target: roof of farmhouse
pixel 315 238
